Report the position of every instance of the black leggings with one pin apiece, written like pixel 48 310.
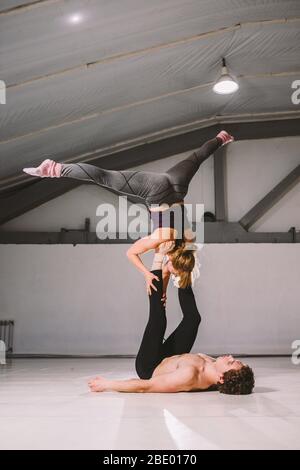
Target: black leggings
pixel 147 187
pixel 153 350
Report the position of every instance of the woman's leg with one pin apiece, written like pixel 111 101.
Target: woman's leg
pixel 149 355
pixel 182 173
pixel 149 187
pixel 182 339
pixel 139 186
pixel 119 181
pixel 122 182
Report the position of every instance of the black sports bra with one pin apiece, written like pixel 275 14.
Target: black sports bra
pixel 175 217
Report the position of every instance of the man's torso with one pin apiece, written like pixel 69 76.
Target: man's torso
pixel 170 364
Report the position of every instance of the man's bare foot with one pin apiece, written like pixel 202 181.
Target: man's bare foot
pixel 225 137
pixel 47 169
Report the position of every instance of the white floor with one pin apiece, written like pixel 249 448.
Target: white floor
pixel 45 404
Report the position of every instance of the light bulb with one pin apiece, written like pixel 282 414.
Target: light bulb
pixel 225 84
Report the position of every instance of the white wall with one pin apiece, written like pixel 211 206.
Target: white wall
pixel 87 299
pixel 253 169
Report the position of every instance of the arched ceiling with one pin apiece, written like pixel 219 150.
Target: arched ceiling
pixel 133 71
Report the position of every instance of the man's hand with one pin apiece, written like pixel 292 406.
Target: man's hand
pixel 149 278
pixel 98 384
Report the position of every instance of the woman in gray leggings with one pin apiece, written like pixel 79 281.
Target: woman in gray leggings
pixel 160 189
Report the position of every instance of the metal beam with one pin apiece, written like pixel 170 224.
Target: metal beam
pixel 214 232
pixel 219 179
pixel 271 198
pixel 25 6
pixel 233 232
pixel 45 190
pixel 136 104
pixel 33 196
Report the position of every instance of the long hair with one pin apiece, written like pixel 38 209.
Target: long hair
pixel 183 261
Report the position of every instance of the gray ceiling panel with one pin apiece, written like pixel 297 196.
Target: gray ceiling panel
pixel 70 141
pixel 150 70
pixel 84 92
pixel 40 41
pixel 107 86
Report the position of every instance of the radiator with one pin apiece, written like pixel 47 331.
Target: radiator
pixel 7 334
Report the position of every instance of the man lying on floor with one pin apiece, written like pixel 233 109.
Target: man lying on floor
pixel 167 366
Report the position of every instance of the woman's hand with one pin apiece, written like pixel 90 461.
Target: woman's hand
pixel 164 299
pixel 165 247
pixel 98 384
pixel 149 278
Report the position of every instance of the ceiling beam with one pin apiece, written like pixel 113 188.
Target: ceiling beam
pixel 16 180
pixel 135 104
pixel 220 185
pixel 215 232
pixel 267 202
pixel 47 189
pixel 26 6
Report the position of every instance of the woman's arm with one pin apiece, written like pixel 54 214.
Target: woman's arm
pixel 166 277
pixel 189 235
pixel 144 245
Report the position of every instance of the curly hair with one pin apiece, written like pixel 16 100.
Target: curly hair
pixel 238 382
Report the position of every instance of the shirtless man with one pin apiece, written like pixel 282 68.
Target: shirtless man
pixel 167 366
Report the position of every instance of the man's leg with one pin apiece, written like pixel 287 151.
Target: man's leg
pixel 149 355
pixel 182 339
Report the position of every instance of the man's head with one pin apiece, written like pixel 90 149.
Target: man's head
pixel 235 378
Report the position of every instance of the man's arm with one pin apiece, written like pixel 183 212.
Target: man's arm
pixel 101 384
pixel 182 379
pixel 131 385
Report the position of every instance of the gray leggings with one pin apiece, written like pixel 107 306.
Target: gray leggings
pixel 148 187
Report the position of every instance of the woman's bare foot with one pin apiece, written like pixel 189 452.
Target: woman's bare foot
pixel 225 137
pixel 47 169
